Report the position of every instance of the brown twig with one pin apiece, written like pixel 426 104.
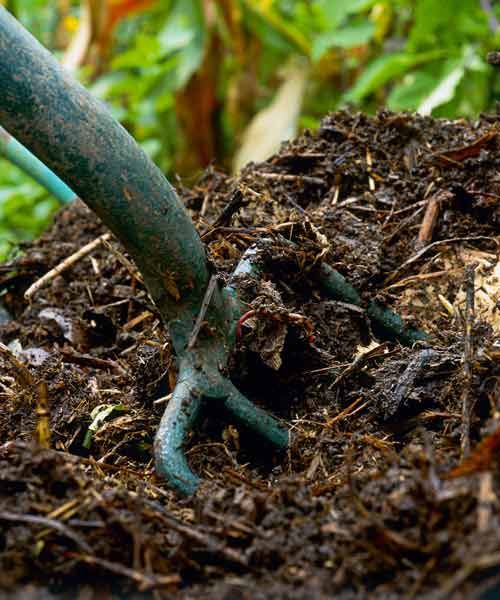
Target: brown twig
pixel 431 217
pixel 470 272
pixel 288 177
pixel 42 430
pixel 420 253
pixel 359 362
pixel 85 360
pixel 6 515
pixel 146 314
pixel 485 502
pixel 212 544
pixel 131 268
pixel 236 201
pixel 145 581
pixel 65 264
pixel 481 563
pixel 245 231
pixel 203 310
pixel 422 277
pixel 350 410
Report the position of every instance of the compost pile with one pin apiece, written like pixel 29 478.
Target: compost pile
pixel 389 488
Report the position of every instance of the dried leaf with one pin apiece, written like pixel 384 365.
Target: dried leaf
pixel 482 459
pixel 448 157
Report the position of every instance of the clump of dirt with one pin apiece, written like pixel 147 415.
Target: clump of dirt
pixel 379 493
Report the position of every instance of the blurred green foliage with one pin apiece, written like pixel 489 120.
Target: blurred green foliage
pixel 185 76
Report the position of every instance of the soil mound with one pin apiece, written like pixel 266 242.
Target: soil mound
pixel 390 485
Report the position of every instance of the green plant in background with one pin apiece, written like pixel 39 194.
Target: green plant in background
pixel 439 67
pixel 187 76
pixel 25 208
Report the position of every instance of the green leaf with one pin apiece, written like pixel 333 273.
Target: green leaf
pixel 146 50
pixel 446 23
pixel 408 94
pixel 471 96
pixel 98 416
pixel 384 69
pixel 274 29
pixel 345 37
pixel 331 13
pixel 184 33
pixel 451 75
pixel 445 88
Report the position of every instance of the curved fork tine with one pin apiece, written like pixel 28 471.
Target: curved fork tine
pixel 255 418
pixel 177 420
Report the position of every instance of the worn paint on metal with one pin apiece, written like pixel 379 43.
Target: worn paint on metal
pixel 49 112
pixel 76 137
pixel 336 286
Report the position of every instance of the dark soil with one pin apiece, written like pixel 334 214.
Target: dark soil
pixel 374 497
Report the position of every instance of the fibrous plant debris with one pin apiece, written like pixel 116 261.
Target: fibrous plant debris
pixel 375 496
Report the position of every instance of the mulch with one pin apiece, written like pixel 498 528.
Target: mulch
pixel 390 486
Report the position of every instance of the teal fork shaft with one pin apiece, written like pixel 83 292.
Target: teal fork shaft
pixel 20 156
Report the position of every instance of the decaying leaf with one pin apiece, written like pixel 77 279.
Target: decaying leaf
pixel 482 459
pixel 447 158
pixel 269 342
pixel 269 334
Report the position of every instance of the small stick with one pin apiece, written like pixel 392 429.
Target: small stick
pixel 421 277
pixel 13 517
pixel 133 272
pixel 430 219
pixel 288 177
pixel 145 581
pixel 481 563
pixel 420 253
pixel 347 412
pixel 485 502
pixel 137 320
pixel 369 162
pixel 65 264
pixel 205 205
pixel 201 315
pixel 42 430
pixel 470 272
pixel 236 201
pixel 358 362
pixel 85 360
pixel 212 544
